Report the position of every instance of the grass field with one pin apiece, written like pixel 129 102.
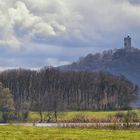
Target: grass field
pixel 34 133
pixel 69 116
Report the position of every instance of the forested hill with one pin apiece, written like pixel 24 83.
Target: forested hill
pixel 53 90
pixel 120 61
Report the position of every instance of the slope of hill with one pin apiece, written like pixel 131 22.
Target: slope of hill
pixel 120 61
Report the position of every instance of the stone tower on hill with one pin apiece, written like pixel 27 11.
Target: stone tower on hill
pixel 127 42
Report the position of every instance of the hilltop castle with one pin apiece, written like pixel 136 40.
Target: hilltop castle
pixel 127 43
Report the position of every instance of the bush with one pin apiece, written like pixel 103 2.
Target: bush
pixel 80 118
pixel 130 117
pixel 120 116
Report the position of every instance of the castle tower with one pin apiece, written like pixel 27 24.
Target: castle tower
pixel 127 42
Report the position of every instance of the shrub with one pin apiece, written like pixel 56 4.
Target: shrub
pixel 80 118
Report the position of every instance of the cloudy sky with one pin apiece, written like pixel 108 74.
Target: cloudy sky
pixel 37 33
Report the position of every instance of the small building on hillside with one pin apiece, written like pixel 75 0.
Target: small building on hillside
pixel 127 43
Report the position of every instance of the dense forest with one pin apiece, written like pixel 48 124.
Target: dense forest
pixel 52 90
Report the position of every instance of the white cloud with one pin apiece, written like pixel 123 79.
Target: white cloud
pixel 19 19
pixel 11 42
pixel 66 20
pixel 56 62
pixel 21 15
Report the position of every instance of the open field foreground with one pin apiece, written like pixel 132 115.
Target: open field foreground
pixel 34 133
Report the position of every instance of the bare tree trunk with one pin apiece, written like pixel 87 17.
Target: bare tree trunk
pixel 55 114
pixel 41 116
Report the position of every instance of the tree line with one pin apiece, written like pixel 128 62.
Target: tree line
pixel 52 90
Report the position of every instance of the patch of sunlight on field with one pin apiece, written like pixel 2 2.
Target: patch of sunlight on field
pixel 71 115
pixel 34 133
pixel 68 116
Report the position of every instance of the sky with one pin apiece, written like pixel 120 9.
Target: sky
pixel 38 33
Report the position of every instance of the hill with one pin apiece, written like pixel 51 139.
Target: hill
pixel 119 62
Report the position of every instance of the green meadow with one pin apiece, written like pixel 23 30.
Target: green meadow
pixel 34 133
pixel 71 116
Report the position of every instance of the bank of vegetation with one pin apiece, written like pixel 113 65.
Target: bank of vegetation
pixel 51 90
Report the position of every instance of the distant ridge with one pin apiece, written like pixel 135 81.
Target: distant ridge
pixel 124 61
pixel 120 61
